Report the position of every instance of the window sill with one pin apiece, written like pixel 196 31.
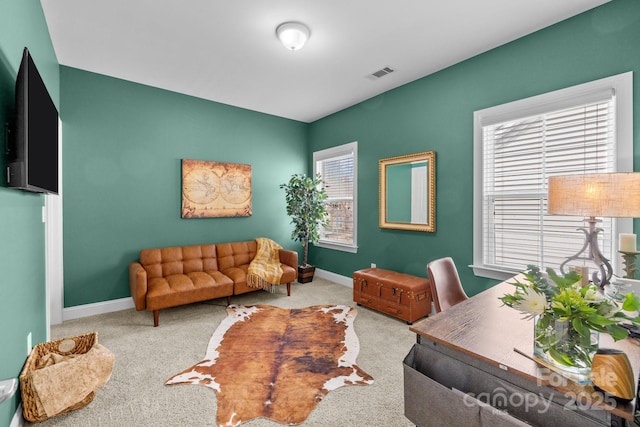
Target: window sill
pixel 493 272
pixel 338 247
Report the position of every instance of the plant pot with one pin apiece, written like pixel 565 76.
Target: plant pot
pixel 305 273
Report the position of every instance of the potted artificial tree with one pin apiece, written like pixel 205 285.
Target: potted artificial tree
pixel 305 198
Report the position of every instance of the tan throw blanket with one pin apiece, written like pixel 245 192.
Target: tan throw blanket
pixel 264 271
pixel 70 380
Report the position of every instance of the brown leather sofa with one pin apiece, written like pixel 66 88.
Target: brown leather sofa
pixel 173 276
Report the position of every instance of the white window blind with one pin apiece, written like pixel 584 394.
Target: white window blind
pixel 519 156
pixel 337 167
pixel 581 129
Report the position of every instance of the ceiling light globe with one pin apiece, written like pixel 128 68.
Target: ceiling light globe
pixel 293 35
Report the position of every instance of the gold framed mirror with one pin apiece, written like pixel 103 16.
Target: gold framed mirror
pixel 408 192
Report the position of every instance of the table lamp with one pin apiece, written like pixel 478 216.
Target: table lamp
pixel 613 195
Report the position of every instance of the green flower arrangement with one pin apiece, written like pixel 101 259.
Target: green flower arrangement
pixel 562 300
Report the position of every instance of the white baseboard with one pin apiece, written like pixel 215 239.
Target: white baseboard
pixel 18 420
pixel 334 277
pixel 86 310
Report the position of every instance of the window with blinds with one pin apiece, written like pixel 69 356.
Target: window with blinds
pixel 519 149
pixel 337 167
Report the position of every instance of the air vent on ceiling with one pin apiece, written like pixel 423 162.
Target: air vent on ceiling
pixel 381 73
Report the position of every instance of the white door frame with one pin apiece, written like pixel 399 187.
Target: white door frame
pixel 52 217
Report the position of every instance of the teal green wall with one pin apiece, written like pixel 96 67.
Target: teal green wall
pixel 22 286
pixel 122 179
pixel 436 113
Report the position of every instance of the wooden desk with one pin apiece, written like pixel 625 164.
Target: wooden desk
pixel 484 330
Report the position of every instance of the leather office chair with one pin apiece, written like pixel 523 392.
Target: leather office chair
pixel 446 289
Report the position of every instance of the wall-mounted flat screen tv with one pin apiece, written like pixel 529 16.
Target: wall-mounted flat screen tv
pixel 33 147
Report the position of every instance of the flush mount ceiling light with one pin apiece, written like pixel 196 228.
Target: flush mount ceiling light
pixel 293 35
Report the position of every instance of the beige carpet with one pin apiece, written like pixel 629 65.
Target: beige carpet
pixel 146 356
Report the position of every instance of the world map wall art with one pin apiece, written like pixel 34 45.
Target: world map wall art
pixel 214 189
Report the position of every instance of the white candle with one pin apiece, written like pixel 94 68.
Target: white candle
pixel 627 242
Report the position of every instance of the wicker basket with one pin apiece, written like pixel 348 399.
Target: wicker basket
pixel 32 409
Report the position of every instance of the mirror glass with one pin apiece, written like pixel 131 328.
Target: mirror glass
pixel 407 192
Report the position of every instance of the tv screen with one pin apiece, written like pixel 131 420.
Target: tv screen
pixel 33 152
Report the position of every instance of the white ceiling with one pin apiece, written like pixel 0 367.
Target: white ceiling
pixel 227 51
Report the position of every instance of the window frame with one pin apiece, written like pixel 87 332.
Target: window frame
pixel 622 84
pixel 329 153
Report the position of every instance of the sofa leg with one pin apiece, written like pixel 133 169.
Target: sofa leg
pixel 228 300
pixel 289 289
pixel 156 317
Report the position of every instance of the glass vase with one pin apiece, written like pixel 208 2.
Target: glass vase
pixel 559 344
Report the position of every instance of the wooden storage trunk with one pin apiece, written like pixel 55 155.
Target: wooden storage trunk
pixel 400 295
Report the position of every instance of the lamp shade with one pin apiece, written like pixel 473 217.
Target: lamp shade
pixel 293 35
pixel 615 195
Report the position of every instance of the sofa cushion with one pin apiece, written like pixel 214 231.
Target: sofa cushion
pixel 178 260
pixel 234 259
pixel 179 289
pixel 239 276
pixel 235 254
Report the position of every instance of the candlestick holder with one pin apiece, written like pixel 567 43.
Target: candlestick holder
pixel 630 269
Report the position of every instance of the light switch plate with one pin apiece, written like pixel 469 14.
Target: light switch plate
pixel 8 388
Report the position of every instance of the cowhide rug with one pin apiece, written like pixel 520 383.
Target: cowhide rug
pixel 277 363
